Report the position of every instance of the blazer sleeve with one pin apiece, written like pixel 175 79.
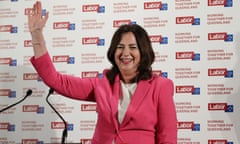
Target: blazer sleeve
pixel 67 85
pixel 167 119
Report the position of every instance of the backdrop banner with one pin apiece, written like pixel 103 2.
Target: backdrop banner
pixel 196 43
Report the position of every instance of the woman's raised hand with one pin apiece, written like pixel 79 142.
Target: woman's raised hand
pixel 36 21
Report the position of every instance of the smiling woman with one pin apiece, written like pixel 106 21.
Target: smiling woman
pixel 127 57
pixel 133 42
pixel 126 94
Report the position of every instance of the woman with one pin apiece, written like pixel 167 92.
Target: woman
pixel 133 105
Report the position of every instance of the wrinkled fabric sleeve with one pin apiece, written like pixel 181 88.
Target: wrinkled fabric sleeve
pixel 67 85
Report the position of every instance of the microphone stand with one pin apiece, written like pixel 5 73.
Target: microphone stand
pixel 28 93
pixel 64 133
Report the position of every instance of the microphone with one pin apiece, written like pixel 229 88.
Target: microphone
pixel 64 133
pixel 28 93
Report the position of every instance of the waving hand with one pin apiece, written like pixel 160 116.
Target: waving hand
pixel 36 21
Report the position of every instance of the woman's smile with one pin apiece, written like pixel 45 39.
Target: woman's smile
pixel 127 56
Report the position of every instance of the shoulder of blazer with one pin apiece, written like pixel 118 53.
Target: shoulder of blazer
pixel 159 80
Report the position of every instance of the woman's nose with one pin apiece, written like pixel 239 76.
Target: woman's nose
pixel 125 52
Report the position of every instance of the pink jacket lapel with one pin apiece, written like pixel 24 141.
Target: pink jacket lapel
pixel 113 100
pixel 137 99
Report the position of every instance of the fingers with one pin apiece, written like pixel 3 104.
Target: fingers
pixel 35 9
pixel 38 9
pixel 46 16
pixel 37 21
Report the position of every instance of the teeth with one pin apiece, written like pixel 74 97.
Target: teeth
pixel 126 60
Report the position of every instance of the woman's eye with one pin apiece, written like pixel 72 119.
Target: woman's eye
pixel 133 47
pixel 119 47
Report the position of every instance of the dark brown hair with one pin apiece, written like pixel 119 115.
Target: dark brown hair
pixel 145 48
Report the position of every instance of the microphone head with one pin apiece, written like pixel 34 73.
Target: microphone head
pixel 29 92
pixel 51 90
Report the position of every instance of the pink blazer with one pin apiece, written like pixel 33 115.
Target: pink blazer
pixel 150 117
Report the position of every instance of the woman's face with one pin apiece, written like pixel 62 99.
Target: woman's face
pixel 127 55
